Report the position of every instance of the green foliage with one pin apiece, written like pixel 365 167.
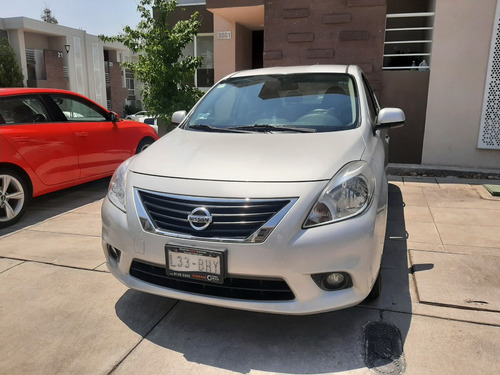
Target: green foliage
pixel 11 74
pixel 161 66
pixel 47 16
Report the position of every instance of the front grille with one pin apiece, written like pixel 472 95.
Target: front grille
pixel 236 219
pixel 233 287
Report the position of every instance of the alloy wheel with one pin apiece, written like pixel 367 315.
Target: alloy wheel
pixel 12 198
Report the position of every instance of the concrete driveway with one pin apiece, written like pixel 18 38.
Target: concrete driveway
pixel 61 312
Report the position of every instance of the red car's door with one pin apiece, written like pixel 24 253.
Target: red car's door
pixel 101 144
pixel 47 147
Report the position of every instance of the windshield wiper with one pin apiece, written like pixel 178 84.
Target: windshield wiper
pixel 271 128
pixel 210 128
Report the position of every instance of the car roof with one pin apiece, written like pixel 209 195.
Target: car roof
pixel 32 90
pixel 296 69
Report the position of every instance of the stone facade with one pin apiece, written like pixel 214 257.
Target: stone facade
pixel 326 32
pixel 54 71
pixel 117 93
pixel 51 74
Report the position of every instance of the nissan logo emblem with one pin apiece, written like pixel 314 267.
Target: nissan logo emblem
pixel 200 218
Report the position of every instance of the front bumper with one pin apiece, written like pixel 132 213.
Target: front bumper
pixel 290 253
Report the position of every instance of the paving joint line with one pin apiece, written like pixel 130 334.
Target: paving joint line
pixel 382 311
pixel 412 275
pixel 458 307
pixel 14 266
pixel 55 264
pixel 115 367
pixel 455 253
pixel 64 233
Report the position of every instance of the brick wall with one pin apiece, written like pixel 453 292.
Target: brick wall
pixel 326 32
pixel 118 93
pixel 54 71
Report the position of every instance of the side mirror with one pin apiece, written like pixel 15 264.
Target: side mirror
pixel 114 117
pixel 390 118
pixel 178 117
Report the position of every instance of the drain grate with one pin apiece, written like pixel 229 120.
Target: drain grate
pixel 384 349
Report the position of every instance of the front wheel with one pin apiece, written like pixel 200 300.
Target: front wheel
pixel 144 144
pixel 14 197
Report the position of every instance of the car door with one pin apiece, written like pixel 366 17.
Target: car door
pixel 101 144
pixel 47 146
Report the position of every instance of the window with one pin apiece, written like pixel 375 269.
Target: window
pixel 75 110
pixel 203 46
pixel 408 35
pixel 22 110
pixel 310 101
pixel 130 84
pixel 371 98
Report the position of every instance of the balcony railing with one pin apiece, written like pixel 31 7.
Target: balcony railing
pixel 30 55
pixel 408 41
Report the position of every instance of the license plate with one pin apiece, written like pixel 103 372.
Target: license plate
pixel 196 264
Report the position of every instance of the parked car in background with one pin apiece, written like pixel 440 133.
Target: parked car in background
pixel 137 116
pixel 151 121
pixel 271 196
pixel 145 117
pixel 53 139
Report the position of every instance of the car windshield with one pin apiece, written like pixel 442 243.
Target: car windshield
pixel 307 102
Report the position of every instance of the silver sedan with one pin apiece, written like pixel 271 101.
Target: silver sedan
pixel 270 195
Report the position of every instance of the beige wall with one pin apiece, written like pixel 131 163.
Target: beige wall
pixel 36 41
pixel 16 40
pixel 224 49
pixel 233 54
pixel 460 53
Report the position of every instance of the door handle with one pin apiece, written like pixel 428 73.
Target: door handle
pixel 82 134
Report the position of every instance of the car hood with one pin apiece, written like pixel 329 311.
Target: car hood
pixel 256 157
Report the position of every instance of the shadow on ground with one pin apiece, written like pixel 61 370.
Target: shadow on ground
pixel 242 341
pixel 53 204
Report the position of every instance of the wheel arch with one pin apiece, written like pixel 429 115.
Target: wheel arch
pixel 22 173
pixel 145 139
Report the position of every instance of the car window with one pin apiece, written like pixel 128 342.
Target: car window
pixel 371 98
pixel 306 101
pixel 22 110
pixel 78 110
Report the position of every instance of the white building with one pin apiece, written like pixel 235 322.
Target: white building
pixel 56 56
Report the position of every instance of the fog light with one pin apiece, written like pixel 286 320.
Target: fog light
pixel 114 253
pixel 332 280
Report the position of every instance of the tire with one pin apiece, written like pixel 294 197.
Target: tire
pixel 377 288
pixel 14 197
pixel 144 144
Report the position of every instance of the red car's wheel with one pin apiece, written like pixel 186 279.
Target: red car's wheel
pixel 144 144
pixel 14 197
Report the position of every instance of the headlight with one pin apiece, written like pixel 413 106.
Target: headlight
pixel 346 195
pixel 117 186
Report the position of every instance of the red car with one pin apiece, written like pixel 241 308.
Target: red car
pixel 53 139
